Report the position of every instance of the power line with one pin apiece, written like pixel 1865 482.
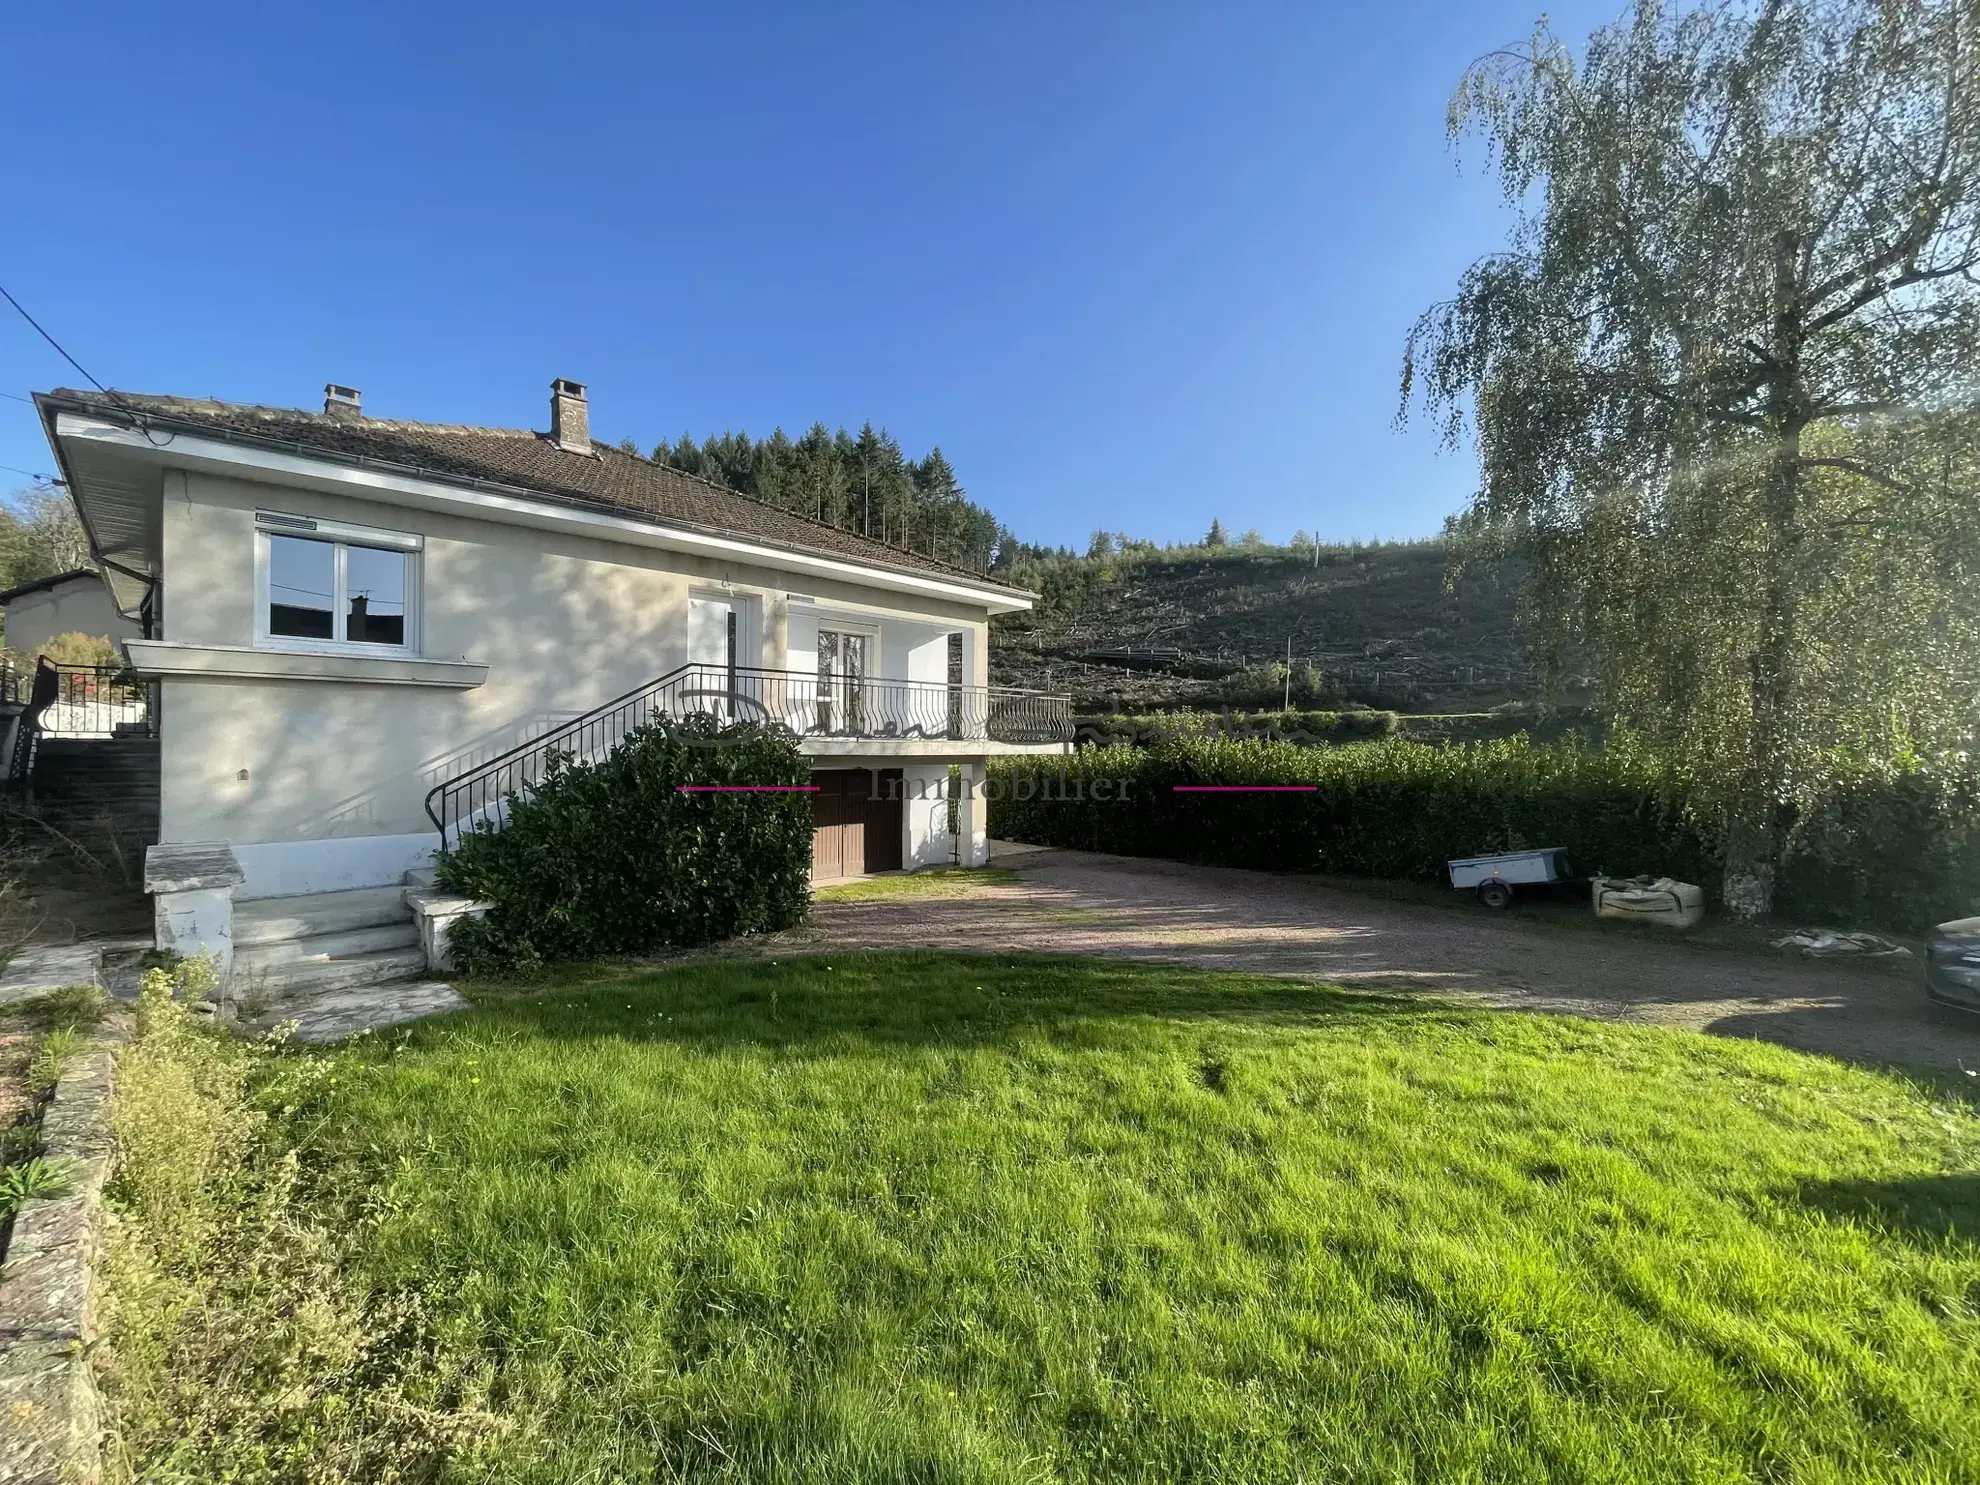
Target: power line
pixel 56 343
pixel 136 416
pixel 31 474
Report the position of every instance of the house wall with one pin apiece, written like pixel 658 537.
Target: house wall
pixel 563 622
pixel 81 606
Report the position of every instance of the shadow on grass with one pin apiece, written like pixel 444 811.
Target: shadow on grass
pixel 1933 1207
pixel 918 998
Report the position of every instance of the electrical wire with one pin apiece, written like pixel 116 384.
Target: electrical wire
pixel 136 416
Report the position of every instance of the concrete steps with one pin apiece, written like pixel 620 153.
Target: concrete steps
pixel 268 920
pixel 82 782
pixel 294 948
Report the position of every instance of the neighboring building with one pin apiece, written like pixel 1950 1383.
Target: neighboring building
pixel 350 618
pixel 72 603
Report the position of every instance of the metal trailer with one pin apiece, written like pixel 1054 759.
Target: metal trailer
pixel 1494 877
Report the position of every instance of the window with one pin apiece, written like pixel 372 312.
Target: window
pixel 324 583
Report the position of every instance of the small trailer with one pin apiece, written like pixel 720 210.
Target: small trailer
pixel 1494 877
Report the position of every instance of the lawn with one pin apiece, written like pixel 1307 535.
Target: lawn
pixel 943 1218
pixel 940 881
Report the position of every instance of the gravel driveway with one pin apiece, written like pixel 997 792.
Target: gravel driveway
pixel 1079 903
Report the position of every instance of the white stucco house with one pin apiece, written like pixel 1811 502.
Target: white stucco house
pixel 69 603
pixel 366 631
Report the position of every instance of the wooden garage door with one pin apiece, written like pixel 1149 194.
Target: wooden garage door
pixel 852 831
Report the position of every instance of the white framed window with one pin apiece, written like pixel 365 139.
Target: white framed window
pixel 327 585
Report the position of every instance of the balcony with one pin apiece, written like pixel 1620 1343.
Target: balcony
pixel 803 704
pixel 793 703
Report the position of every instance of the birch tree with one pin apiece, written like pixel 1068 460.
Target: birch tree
pixel 1721 386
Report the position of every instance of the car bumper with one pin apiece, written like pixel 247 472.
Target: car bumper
pixel 1956 985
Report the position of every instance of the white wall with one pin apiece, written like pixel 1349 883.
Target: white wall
pixel 79 606
pixel 927 840
pixel 563 622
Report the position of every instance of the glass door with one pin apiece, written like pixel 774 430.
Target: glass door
pixel 841 682
pixel 712 633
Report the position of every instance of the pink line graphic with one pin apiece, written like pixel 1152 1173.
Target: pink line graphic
pixel 1244 788
pixel 746 788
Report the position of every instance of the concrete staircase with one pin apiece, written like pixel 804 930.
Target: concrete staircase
pixel 290 949
pixel 79 781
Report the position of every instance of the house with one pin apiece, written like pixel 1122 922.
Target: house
pixel 366 633
pixel 70 603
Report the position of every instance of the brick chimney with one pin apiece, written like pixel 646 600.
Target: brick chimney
pixel 342 402
pixel 570 420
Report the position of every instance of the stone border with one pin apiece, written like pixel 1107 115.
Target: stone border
pixel 50 1416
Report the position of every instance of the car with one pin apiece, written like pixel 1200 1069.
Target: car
pixel 1952 964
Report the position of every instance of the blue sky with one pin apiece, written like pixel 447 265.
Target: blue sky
pixel 1131 266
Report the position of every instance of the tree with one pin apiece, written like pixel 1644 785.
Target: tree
pixel 1720 386
pixel 1251 538
pixel 1216 537
pixel 39 536
pixel 1100 544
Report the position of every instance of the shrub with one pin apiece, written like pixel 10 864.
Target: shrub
pixel 1386 809
pixel 235 1346
pixel 1267 685
pixel 1897 852
pixel 612 857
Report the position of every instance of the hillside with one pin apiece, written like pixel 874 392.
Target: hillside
pixel 1147 629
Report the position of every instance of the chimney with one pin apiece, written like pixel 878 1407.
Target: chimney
pixel 570 421
pixel 341 402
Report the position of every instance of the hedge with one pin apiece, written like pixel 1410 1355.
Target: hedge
pixel 1386 809
pixel 612 857
pixel 1897 852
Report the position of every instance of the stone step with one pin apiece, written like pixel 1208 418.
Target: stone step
pixel 422 877
pixel 298 978
pixel 320 947
pixel 332 1015
pixel 267 920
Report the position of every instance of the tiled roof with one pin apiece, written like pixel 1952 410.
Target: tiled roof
pixel 610 479
pixel 43 585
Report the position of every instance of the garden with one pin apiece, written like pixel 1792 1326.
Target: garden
pixel 937 1217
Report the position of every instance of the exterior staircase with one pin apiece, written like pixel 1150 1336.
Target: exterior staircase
pixel 325 965
pixel 80 781
pixel 335 963
pixel 289 946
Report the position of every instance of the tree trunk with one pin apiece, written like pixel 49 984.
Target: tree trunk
pixel 1753 834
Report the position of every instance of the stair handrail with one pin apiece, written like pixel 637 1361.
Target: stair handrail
pixel 469 781
pixel 780 700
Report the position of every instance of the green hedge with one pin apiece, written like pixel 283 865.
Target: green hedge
pixel 612 858
pixel 1386 809
pixel 1899 851
pixel 1896 852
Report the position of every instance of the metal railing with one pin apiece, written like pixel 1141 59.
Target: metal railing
pixel 99 701
pixel 791 703
pixel 72 701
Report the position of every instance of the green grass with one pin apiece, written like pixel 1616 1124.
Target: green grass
pixel 942 1218
pixel 939 881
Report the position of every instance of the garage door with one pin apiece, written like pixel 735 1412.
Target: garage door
pixel 852 831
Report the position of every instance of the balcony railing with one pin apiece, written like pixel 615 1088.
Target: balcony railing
pixel 793 703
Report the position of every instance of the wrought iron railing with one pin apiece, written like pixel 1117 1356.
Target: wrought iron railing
pixel 73 701
pixel 790 702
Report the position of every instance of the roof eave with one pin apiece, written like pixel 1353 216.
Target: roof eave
pixel 1000 597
